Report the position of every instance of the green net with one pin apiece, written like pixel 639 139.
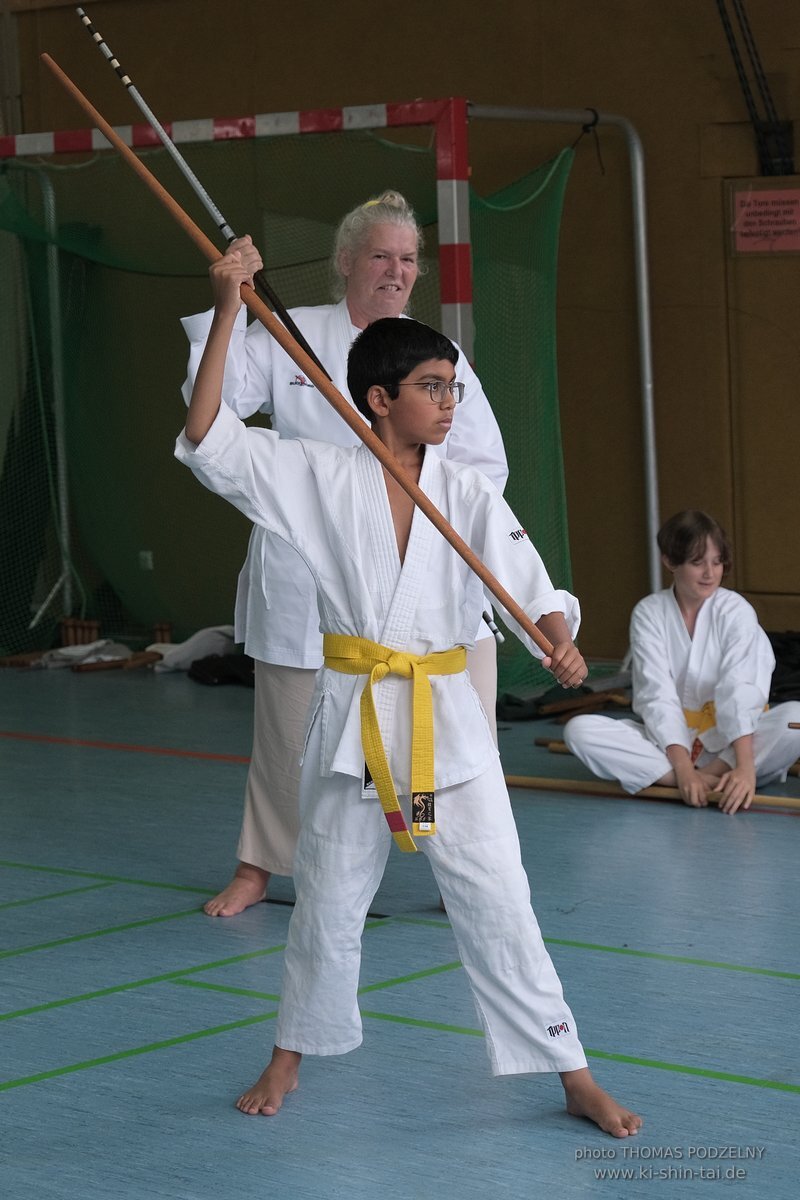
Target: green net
pixel 96 518
pixel 515 244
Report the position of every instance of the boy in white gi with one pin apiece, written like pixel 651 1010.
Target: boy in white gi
pixel 397 603
pixel 701 668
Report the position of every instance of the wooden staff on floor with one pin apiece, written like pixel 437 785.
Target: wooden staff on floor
pixel 309 367
pixel 558 747
pixel 596 787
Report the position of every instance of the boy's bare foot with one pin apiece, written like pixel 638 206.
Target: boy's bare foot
pixel 248 886
pixel 587 1099
pixel 276 1081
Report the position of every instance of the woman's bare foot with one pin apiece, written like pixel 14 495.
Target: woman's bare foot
pixel 276 1081
pixel 248 886
pixel 585 1098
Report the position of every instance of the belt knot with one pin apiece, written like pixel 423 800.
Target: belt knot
pixel 359 656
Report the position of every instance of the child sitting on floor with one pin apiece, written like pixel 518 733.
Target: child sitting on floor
pixel 701 667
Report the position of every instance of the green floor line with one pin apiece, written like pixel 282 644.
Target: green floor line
pixel 370 987
pixel 92 887
pixel 674 958
pixel 607 1056
pixel 82 937
pixel 671 958
pixel 703 1072
pixel 377 987
pixel 442 923
pixel 393 1018
pixel 226 988
pixel 419 1024
pixel 167 977
pixel 172 887
pixel 148 1049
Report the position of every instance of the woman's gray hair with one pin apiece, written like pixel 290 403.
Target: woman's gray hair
pixel 390 208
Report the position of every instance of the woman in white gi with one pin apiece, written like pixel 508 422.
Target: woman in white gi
pixel 393 595
pixel 375 262
pixel 701 668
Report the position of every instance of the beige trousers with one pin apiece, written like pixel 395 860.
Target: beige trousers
pixel 282 696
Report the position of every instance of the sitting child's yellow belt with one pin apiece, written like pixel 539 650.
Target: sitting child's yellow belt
pixel 701 719
pixel 358 656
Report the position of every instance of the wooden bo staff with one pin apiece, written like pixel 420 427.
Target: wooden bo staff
pixel 558 747
pixel 596 787
pixel 348 414
pixel 552 744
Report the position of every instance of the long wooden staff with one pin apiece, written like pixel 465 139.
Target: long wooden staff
pixel 597 787
pixel 309 368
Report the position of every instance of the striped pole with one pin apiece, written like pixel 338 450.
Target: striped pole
pixel 452 191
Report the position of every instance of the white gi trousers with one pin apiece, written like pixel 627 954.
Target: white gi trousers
pixel 622 750
pixel 341 855
pixel 282 697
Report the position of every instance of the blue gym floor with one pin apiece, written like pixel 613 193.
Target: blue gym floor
pixel 129 1021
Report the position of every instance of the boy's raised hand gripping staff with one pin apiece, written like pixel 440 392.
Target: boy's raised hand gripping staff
pixel 229 275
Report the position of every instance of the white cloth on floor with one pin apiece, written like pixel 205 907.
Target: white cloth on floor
pixel 102 650
pixel 179 656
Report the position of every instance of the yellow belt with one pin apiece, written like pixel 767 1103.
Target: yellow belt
pixel 358 656
pixel 701 719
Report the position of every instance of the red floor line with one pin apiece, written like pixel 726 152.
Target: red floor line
pixel 231 758
pixel 169 750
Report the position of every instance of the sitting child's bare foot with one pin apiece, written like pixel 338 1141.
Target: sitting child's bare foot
pixel 248 886
pixel 587 1099
pixel 276 1081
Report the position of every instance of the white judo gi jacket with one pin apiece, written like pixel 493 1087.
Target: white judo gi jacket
pixel 275 614
pixel 729 661
pixel 330 504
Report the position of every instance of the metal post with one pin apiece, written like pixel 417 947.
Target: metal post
pixel 59 409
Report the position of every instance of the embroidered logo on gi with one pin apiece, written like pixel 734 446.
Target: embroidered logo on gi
pixel 557 1030
pixel 300 381
pixel 422 812
pixel 517 535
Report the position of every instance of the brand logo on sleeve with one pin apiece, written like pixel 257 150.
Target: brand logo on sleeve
pixel 517 535
pixel 557 1030
pixel 300 381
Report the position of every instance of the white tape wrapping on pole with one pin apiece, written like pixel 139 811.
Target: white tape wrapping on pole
pixel 259 279
pixel 155 124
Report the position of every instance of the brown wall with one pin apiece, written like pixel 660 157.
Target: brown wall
pixel 724 330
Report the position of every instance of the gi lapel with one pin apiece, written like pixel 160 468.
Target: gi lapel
pixel 399 587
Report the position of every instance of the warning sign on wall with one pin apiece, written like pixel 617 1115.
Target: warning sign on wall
pixel 765 216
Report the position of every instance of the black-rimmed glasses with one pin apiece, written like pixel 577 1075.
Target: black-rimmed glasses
pixel 438 389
